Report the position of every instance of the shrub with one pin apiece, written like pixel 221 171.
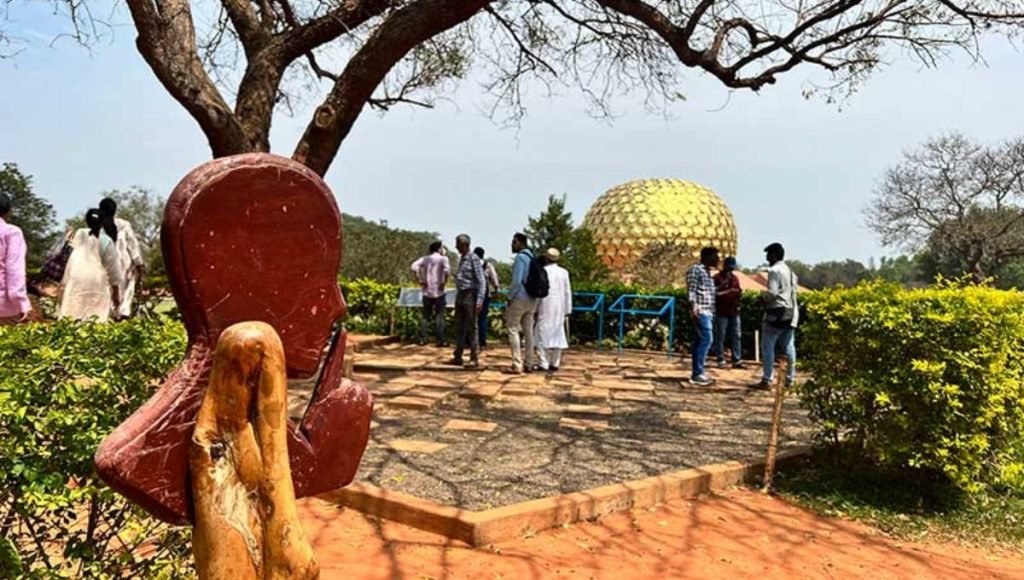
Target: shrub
pixel 63 387
pixel 929 379
pixel 371 310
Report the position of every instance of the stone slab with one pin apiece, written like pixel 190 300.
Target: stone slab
pixel 461 425
pixel 412 403
pixel 387 389
pixel 481 390
pixel 387 364
pixel 416 446
pixel 589 394
pixel 583 424
pixel 428 381
pixel 673 375
pixel 633 396
pixel 589 410
pixel 519 391
pixel 428 393
pixel 623 386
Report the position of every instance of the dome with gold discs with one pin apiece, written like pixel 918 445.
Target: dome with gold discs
pixel 631 219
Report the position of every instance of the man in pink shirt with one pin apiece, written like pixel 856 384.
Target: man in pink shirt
pixel 14 303
pixel 432 272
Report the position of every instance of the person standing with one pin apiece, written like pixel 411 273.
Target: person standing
pixel 552 312
pixel 432 272
pixel 93 276
pixel 727 310
pixel 522 307
pixel 469 301
pixel 129 253
pixel 15 306
pixel 781 315
pixel 701 293
pixel 492 286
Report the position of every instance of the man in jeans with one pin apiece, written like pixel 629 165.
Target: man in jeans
pixel 701 293
pixel 727 310
pixel 432 272
pixel 14 303
pixel 521 307
pixel 469 301
pixel 781 314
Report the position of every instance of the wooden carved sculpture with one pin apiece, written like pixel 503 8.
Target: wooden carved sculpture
pixel 252 238
pixel 247 526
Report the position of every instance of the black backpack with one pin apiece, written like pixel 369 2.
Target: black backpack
pixel 536 279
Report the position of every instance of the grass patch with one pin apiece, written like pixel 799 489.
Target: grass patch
pixel 906 505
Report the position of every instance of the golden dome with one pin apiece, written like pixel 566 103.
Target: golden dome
pixel 631 218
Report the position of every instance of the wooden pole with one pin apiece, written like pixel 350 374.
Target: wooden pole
pixel 246 522
pixel 773 435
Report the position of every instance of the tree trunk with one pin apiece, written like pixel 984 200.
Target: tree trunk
pixel 246 523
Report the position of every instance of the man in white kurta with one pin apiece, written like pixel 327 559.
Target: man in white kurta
pixel 129 253
pixel 552 313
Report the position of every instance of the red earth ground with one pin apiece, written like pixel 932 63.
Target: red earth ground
pixel 734 535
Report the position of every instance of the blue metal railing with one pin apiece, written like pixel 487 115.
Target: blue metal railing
pixel 668 306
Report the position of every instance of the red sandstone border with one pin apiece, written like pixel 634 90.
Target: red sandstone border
pixel 513 521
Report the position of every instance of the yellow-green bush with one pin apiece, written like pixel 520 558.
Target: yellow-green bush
pixel 928 378
pixel 63 387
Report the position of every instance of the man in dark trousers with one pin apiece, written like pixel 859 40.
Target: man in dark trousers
pixel 469 301
pixel 727 311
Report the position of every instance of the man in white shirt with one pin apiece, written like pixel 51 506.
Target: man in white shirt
pixel 781 315
pixel 552 312
pixel 432 272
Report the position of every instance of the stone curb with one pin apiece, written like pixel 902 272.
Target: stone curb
pixel 513 521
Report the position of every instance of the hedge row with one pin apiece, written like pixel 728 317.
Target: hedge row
pixel 930 379
pixel 372 311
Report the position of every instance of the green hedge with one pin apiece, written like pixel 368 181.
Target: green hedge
pixel 371 311
pixel 931 379
pixel 63 387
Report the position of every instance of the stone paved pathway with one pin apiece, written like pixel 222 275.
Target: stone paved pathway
pixel 480 438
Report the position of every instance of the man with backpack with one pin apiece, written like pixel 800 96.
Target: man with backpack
pixel 529 282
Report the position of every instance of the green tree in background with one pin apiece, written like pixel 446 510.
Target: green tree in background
pixel 379 252
pixel 33 214
pixel 553 228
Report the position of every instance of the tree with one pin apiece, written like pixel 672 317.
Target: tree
pixel 385 52
pixel 553 228
pixel 661 265
pixel 376 251
pixel 959 200
pixel 33 214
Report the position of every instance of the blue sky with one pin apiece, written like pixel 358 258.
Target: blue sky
pixel 794 170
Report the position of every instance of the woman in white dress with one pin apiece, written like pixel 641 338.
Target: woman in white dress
pixel 93 276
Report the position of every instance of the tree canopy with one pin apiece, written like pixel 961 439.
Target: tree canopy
pixel 263 54
pixel 961 201
pixel 33 214
pixel 379 252
pixel 553 228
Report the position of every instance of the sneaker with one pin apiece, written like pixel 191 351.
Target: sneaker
pixel 738 364
pixel 790 382
pixel 721 364
pixel 553 369
pixel 473 364
pixel 762 385
pixel 702 381
pixel 456 362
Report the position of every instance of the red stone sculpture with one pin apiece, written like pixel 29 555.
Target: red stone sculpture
pixel 252 237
